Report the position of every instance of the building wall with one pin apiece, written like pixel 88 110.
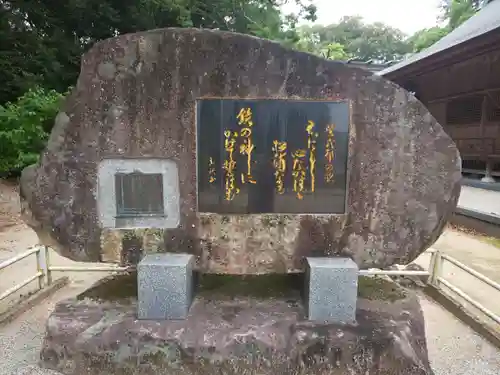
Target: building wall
pixel 454 95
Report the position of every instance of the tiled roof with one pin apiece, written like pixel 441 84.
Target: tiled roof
pixel 484 21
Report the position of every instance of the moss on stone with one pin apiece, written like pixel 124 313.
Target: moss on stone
pixel 377 288
pixel 273 221
pixel 120 287
pixel 205 220
pixel 260 286
pixel 129 234
pixel 283 220
pixel 123 287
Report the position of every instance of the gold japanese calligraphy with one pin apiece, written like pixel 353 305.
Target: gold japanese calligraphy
pixel 230 165
pixel 211 170
pixel 245 117
pixel 329 153
pixel 246 148
pixel 299 172
pixel 311 146
pixel 304 160
pixel 279 163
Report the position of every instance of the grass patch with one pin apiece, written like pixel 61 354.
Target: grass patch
pixel 114 288
pixel 259 286
pixel 123 287
pixel 492 241
pixel 495 241
pixel 376 288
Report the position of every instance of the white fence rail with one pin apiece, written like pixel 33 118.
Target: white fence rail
pixel 436 279
pixel 44 272
pixel 44 269
pixel 39 274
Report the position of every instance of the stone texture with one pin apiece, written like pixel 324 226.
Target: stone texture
pixel 165 286
pixel 136 98
pixel 332 285
pixel 239 335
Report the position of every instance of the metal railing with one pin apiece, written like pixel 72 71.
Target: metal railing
pixel 45 269
pixel 435 279
pixel 38 275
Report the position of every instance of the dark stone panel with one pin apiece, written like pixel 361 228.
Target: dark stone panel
pixel 267 135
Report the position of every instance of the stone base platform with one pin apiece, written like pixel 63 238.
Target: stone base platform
pixel 233 332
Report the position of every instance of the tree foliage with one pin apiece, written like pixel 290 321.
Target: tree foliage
pixel 43 40
pixel 352 38
pixel 24 128
pixel 426 37
pixel 377 41
pixel 454 13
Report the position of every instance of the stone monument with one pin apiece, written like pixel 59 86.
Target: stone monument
pixel 230 158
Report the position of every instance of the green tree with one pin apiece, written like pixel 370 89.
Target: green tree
pixel 427 37
pixel 335 51
pixel 376 41
pixel 42 40
pixel 454 13
pixel 24 128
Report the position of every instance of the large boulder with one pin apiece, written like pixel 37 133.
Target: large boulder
pixel 226 333
pixel 136 98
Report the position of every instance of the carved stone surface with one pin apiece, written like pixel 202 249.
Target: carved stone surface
pixel 136 97
pixel 238 335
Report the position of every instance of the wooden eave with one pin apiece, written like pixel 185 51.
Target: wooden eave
pixel 482 44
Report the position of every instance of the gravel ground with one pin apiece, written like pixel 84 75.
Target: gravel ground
pixel 21 340
pixel 454 348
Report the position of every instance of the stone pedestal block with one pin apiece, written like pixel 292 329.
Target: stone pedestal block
pixel 331 289
pixel 165 286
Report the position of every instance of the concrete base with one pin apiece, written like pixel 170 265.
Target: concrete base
pixel 488 179
pixel 165 286
pixel 332 287
pixel 481 185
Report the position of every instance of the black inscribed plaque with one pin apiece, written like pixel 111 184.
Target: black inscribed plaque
pixel 272 156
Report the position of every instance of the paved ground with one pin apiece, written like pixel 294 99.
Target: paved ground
pixel 20 341
pixel 454 349
pixel 478 255
pixel 484 201
pixel 471 250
